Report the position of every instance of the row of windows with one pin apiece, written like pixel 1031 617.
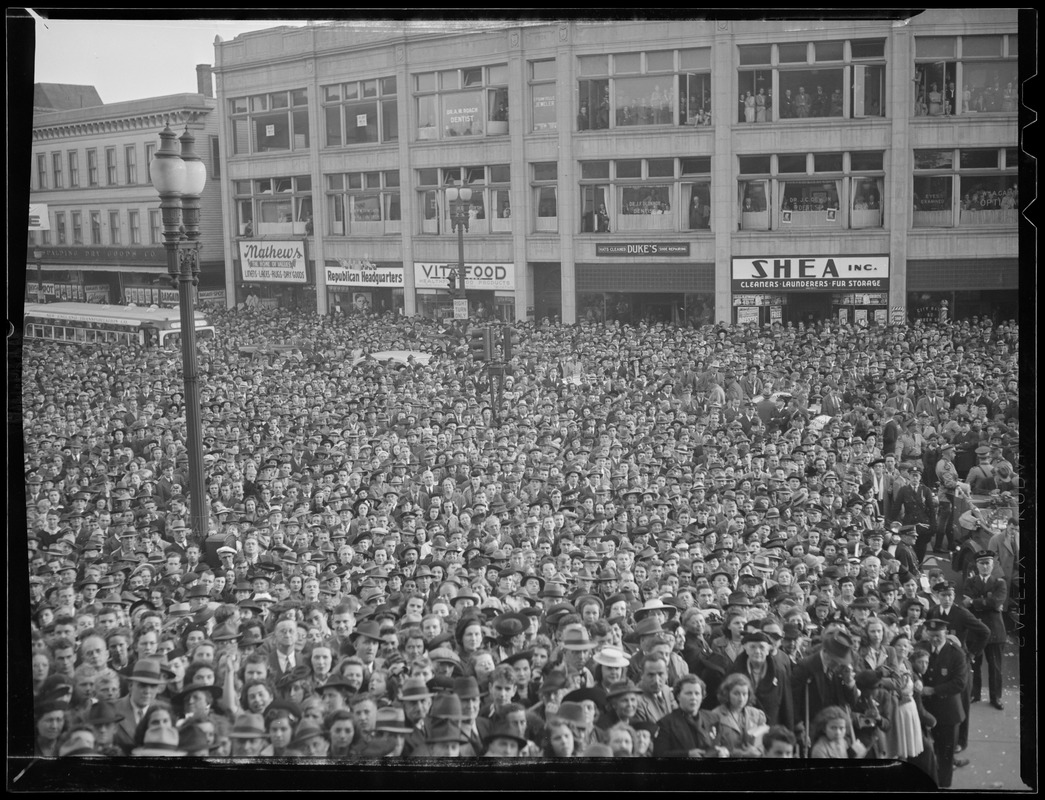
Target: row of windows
pixel 123 227
pixel 777 81
pixel 61 169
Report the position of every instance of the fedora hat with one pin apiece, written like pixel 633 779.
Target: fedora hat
pixel 445 730
pixel 446 705
pixel 370 629
pixel 159 742
pixel 654 604
pixel 467 688
pixel 305 731
pixel 624 687
pixel 147 670
pixel 415 688
pixel 838 644
pixel 646 627
pixel 103 712
pixel 611 657
pixel 249 726
pixel 392 720
pixel 571 712
pixel 502 730
pixel 577 639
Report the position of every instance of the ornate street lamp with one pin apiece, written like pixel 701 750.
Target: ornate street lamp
pixel 460 199
pixel 179 176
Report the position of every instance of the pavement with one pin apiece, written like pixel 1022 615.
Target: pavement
pixel 994 750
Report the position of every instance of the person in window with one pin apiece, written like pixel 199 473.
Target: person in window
pixel 819 105
pixel 949 97
pixel 836 103
pixel 506 210
pixel 921 108
pixel 602 219
pixel 935 100
pixel 802 103
pixel 786 105
pixel 760 106
pixel 602 116
pixel 699 213
pixel 749 107
pixel 248 229
pixel 501 114
pixel 583 121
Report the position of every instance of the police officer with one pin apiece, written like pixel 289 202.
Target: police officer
pixel 943 685
pixel 985 595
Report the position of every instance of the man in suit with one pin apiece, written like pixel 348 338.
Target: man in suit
pixel 943 686
pixel 914 509
pixel 985 595
pixel 283 657
pixel 145 683
pixel 824 678
pixel 972 636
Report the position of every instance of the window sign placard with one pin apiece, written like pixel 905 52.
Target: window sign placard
pixel 478 277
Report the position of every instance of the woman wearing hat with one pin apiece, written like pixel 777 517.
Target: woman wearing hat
pixel 196 700
pixel 50 722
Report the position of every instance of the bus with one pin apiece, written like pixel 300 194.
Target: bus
pixel 93 323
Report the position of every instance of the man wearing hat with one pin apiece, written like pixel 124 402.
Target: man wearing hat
pixel 145 683
pixel 823 678
pixel 986 595
pixel 948 482
pixel 943 686
pixel 772 688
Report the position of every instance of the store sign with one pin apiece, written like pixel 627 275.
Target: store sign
pixel 272 261
pixel 478 277
pixel 817 274
pixel 38 218
pixel 355 272
pixel 214 297
pixel 673 249
pixel 897 315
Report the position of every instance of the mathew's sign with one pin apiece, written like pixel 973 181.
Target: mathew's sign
pixel 816 274
pixel 273 261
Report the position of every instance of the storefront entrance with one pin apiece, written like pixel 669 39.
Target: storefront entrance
pixel 807 307
pixel 631 308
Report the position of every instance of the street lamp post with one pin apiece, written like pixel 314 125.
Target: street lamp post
pixel 460 199
pixel 179 178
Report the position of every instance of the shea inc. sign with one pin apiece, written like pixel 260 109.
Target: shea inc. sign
pixel 478 277
pixel 810 274
pixel 265 260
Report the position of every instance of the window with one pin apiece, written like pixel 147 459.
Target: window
pixel 74 169
pixel 150 151
pixel 130 156
pixel 545 196
pixel 59 227
pixel 110 166
pixel 78 227
pixel 96 227
pixel 155 229
pixel 664 87
pixel 655 194
pixel 41 171
pixel 45 237
pixel 984 66
pixel 489 187
pixel 801 191
pixel 215 157
pixel 361 112
pixel 980 184
pixel 114 228
pixel 270 122
pixel 56 168
pixel 364 203
pixel 814 80
pixel 274 206
pixel 462 102
pixel 542 93
pixel 92 167
pixel 134 224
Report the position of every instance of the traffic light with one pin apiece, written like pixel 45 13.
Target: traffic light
pixel 480 343
pixel 451 282
pixel 510 338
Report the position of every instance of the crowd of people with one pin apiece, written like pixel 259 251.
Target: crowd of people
pixel 712 542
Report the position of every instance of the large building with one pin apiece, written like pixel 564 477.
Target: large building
pixel 95 229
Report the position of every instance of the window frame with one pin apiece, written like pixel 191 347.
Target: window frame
pixel 438 91
pixel 386 133
pixel 112 173
pixel 92 167
pixel 56 170
pixel 294 191
pixel 257 109
pixel 130 157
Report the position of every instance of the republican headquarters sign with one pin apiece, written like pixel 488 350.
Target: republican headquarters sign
pixel 811 274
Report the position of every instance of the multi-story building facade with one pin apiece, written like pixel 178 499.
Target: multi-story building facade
pixel 99 235
pixel 681 170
